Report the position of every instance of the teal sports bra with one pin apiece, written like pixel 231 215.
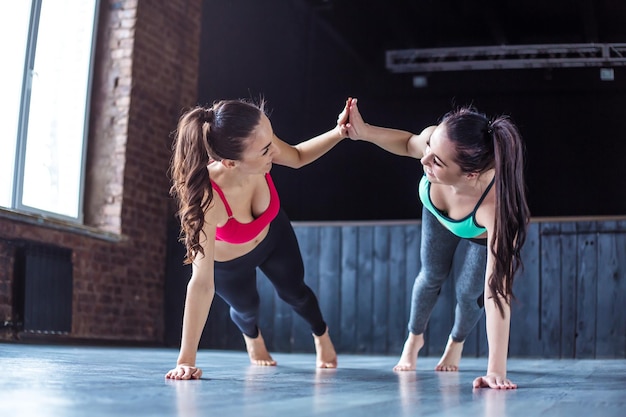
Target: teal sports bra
pixel 467 227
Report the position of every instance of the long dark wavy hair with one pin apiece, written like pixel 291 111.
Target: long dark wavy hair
pixel 206 134
pixel 481 144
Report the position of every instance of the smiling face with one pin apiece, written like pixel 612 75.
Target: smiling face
pixel 260 149
pixel 439 158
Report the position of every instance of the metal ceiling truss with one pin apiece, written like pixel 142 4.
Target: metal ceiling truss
pixel 506 57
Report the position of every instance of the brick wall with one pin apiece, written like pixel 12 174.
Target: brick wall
pixel 6 289
pixel 145 73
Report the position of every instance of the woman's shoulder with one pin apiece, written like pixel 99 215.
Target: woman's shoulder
pixel 215 213
pixel 486 212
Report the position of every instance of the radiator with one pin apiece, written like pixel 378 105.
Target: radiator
pixel 47 289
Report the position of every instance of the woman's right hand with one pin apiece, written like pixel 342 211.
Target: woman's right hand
pixel 184 372
pixel 355 126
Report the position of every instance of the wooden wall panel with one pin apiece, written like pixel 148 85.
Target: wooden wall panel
pixel 345 335
pixel 586 290
pixel 568 289
pixel 398 295
pixel 525 337
pixel 365 296
pixel 570 295
pixel 550 295
pixel 611 290
pixel 380 290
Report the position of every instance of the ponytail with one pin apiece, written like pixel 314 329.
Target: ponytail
pixel 191 185
pixel 512 213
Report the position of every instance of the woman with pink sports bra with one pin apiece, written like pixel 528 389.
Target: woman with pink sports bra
pixel 232 223
pixel 473 188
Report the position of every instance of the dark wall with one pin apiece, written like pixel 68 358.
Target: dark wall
pixel 573 123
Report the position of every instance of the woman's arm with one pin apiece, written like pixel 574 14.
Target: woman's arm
pixel 297 156
pixel 498 328
pixel 399 142
pixel 200 292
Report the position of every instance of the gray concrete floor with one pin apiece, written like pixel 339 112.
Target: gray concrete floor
pixel 67 381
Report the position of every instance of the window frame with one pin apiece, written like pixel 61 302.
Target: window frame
pixel 20 167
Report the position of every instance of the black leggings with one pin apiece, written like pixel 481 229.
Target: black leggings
pixel 278 256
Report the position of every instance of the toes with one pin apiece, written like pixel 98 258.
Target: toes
pixel 446 368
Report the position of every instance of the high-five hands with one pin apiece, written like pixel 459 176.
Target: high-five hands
pixel 351 121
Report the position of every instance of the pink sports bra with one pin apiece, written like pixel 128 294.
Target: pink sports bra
pixel 235 232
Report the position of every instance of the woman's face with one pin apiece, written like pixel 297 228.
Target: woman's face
pixel 260 149
pixel 438 159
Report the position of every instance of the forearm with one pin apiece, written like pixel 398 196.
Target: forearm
pixel 197 305
pixel 498 328
pixel 308 151
pixel 398 142
pixel 392 140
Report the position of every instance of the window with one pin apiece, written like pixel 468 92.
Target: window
pixel 47 48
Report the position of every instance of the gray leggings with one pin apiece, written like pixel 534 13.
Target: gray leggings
pixel 436 253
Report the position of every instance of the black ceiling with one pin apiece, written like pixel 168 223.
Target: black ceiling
pixel 370 28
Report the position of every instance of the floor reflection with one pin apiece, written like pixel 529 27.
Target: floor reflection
pixel 409 390
pixel 493 401
pixel 186 396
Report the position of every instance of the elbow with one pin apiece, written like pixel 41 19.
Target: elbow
pixel 204 287
pixel 296 164
pixel 293 163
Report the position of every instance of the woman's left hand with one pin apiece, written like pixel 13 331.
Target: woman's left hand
pixel 343 118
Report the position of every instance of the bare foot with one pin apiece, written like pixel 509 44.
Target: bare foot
pixel 326 355
pixel 451 357
pixel 258 352
pixel 412 346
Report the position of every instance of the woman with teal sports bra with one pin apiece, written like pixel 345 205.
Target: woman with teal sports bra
pixel 473 188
